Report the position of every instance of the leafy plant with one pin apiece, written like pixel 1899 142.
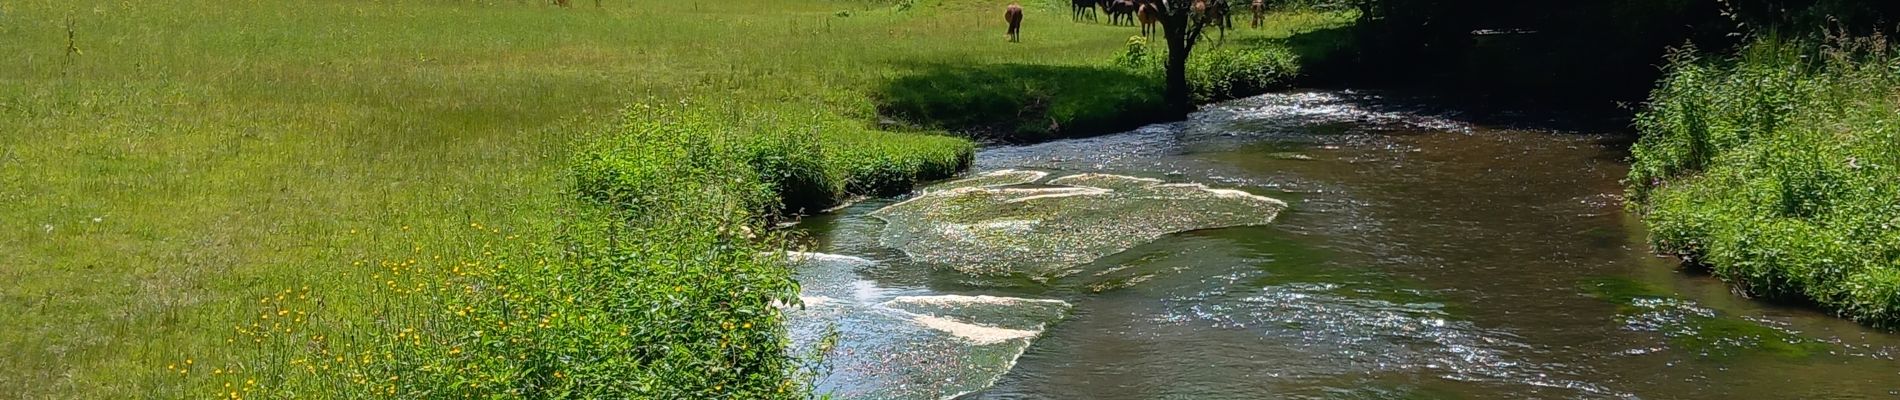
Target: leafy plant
pixel 1777 170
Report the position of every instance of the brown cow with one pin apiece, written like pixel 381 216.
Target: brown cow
pixel 1014 14
pixel 1213 14
pixel 1259 13
pixel 1149 15
pixel 1080 9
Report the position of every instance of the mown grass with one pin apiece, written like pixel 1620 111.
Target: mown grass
pixel 1779 170
pixel 428 199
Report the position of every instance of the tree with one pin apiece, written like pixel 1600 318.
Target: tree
pixel 1182 24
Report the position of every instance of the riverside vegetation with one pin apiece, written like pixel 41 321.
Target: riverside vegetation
pixel 447 200
pixel 1778 169
pixel 1767 146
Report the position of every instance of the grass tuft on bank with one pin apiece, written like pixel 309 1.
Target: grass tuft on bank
pixel 1778 169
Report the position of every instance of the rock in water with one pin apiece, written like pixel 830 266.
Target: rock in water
pixel 1012 222
pixel 914 346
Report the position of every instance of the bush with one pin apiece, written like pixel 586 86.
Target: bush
pixel 663 284
pixel 1221 73
pixel 1218 73
pixel 791 165
pixel 1778 170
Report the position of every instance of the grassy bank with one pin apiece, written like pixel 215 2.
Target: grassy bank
pixel 424 199
pixel 1778 170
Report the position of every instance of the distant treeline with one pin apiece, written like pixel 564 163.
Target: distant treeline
pixel 1574 52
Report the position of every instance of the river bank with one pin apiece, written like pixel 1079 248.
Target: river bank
pixel 1774 169
pixel 1421 256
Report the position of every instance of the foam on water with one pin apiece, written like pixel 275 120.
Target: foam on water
pixel 976 334
pixel 917 345
pixel 988 226
pixel 1001 177
pixel 807 257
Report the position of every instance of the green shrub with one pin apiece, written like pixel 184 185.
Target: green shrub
pixel 662 286
pixel 681 304
pixel 1777 171
pixel 1222 73
pixel 881 163
pixel 791 164
pixel 1140 55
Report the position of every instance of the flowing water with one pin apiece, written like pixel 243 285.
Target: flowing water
pixel 1300 245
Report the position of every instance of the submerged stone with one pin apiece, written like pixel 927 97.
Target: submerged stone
pixel 996 224
pixel 910 346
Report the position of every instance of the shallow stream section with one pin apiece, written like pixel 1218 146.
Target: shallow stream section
pixel 1299 245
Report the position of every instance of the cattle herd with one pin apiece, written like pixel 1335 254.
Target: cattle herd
pixel 1148 12
pixel 1216 13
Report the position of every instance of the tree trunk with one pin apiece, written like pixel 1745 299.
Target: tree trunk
pixel 1175 29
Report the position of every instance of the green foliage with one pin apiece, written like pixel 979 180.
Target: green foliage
pixel 1221 73
pixel 1218 73
pixel 883 163
pixel 1778 169
pixel 1141 55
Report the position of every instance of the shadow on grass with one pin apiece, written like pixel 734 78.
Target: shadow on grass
pixel 1022 102
pixel 1327 56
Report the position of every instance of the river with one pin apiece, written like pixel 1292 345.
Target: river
pixel 1378 252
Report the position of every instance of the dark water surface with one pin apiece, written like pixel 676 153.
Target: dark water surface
pixel 1422 257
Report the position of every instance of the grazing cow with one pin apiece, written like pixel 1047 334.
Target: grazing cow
pixel 1014 14
pixel 1079 9
pixel 1213 13
pixel 1121 10
pixel 1259 13
pixel 1148 15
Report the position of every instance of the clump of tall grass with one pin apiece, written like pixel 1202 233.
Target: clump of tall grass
pixel 1779 170
pixel 1223 73
pixel 803 162
pixel 1219 72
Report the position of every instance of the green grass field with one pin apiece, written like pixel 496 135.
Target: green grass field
pixel 182 177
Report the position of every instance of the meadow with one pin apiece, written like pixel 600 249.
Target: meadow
pixel 464 199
